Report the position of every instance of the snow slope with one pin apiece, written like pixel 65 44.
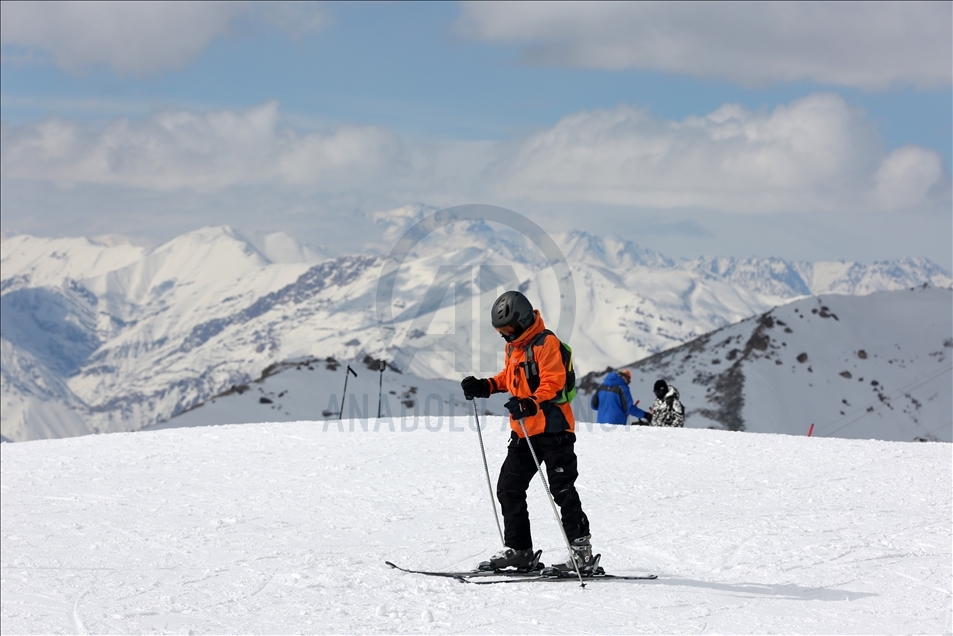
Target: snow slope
pixel 862 367
pixel 284 528
pixel 312 389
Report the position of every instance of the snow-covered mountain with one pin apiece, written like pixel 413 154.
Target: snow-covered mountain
pixel 285 528
pixel 106 335
pixel 850 365
pixel 876 366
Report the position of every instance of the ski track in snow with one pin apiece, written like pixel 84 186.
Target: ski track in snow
pixel 284 528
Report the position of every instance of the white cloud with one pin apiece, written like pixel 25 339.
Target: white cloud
pixel 296 19
pixel 813 154
pixel 203 151
pixel 136 38
pixel 871 45
pixel 908 177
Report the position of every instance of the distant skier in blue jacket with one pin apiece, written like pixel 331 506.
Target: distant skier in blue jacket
pixel 614 401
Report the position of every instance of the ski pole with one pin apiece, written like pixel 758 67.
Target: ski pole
pixel 552 501
pixel 486 469
pixel 380 392
pixel 344 397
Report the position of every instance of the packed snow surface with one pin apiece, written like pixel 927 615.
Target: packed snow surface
pixel 285 527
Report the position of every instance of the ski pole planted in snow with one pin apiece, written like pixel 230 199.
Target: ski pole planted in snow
pixel 486 469
pixel 344 397
pixel 380 390
pixel 552 502
pixel 810 431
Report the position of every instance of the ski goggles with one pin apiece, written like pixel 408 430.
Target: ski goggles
pixel 506 330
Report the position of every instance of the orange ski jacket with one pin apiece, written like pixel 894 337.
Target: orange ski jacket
pixel 551 417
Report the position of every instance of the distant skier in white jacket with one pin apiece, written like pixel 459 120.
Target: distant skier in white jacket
pixel 667 410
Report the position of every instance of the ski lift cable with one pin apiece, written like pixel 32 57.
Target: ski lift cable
pixel 906 389
pixel 913 384
pixel 933 375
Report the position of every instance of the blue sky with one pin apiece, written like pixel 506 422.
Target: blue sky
pixel 844 122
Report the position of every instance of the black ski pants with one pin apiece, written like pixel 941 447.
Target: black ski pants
pixel 556 452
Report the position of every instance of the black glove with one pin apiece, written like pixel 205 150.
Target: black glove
pixel 521 407
pixel 648 416
pixel 475 387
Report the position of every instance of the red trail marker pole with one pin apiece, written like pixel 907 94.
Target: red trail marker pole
pixel 810 431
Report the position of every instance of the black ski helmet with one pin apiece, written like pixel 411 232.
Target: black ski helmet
pixel 512 309
pixel 660 389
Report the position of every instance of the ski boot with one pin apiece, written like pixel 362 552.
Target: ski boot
pixel 580 555
pixel 520 560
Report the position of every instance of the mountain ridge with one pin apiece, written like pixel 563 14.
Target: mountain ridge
pixel 139 334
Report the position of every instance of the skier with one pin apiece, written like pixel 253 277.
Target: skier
pixel 613 399
pixel 667 410
pixel 535 389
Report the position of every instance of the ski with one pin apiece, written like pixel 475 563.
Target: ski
pixel 457 575
pixel 515 576
pixel 585 579
pixel 475 573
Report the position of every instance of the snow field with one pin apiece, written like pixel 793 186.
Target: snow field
pixel 285 527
